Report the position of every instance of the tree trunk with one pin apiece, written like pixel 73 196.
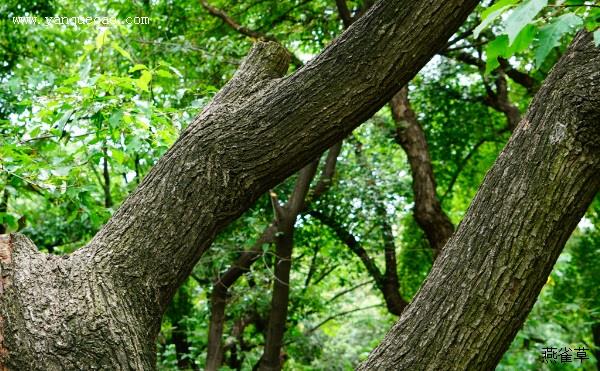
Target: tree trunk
pixel 218 298
pixel 386 282
pixel 391 287
pixel 100 307
pixel 271 359
pixel 284 244
pixel 596 338
pixel 428 210
pixel 490 273
pixel 242 265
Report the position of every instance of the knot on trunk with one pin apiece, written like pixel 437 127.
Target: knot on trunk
pixel 266 61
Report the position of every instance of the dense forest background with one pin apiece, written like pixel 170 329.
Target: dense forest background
pixel 87 109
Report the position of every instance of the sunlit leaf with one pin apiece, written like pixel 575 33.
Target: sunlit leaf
pixel 551 34
pixel 144 80
pixel 102 37
pixel 121 51
pixel 521 16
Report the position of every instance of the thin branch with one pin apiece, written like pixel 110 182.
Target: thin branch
pixel 341 314
pixel 234 24
pixel 49 136
pixel 278 209
pixel 463 35
pixel 311 268
pixel 284 15
pixel 324 274
pixel 257 35
pixel 466 159
pixel 344 292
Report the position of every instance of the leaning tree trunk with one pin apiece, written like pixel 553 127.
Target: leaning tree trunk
pixel 101 306
pixel 490 273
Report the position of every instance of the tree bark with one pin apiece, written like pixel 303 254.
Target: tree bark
pixel 490 273
pixel 100 307
pixel 428 210
pixel 391 285
pixel 596 338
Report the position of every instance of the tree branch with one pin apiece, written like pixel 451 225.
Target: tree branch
pixel 341 314
pixel 428 211
pixel 490 273
pixel 235 25
pixel 344 12
pixel 245 30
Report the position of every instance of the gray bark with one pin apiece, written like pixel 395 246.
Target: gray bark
pixel 490 272
pixel 100 307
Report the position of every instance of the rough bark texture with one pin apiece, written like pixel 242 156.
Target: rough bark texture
pixel 490 273
pixel 100 307
pixel 54 308
pixel 428 210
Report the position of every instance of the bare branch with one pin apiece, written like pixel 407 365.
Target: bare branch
pixel 341 314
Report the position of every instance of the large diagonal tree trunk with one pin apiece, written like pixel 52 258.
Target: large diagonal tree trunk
pixel 101 306
pixel 491 271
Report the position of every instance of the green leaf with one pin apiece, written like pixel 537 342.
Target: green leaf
pixel 551 34
pixel 592 19
pixel 102 37
pixel 115 118
pixel 522 16
pixel 144 80
pixel 118 155
pixel 60 124
pixel 137 67
pixel 487 21
pixel 523 40
pixel 163 73
pixel 597 37
pixel 495 48
pixel 9 220
pixel 121 51
pixel 502 4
